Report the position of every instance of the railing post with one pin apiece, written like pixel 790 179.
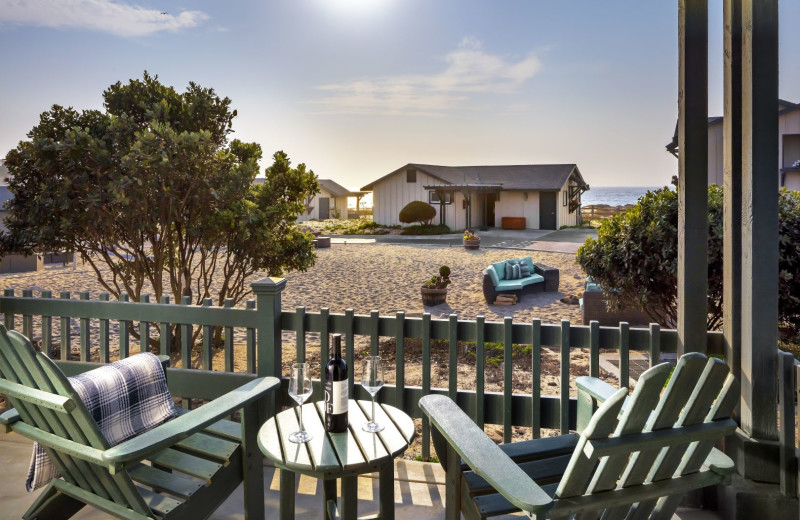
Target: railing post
pixel 268 332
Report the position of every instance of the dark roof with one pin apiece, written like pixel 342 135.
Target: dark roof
pixel 784 107
pixel 337 190
pixel 512 177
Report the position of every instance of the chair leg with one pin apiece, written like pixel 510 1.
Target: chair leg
pixel 452 485
pixel 52 504
pixel 252 464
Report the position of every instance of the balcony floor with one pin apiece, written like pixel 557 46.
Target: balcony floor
pixel 419 491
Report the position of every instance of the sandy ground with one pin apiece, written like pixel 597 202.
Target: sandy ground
pixel 387 278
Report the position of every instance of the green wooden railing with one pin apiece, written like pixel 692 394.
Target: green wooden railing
pixel 264 322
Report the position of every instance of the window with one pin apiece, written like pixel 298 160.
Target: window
pixel 433 198
pixel 565 198
pixel 411 175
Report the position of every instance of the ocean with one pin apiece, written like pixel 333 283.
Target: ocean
pixel 615 195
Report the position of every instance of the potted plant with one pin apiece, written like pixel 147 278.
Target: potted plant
pixel 434 291
pixel 471 240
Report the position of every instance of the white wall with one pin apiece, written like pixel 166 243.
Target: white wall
pixel 513 204
pixel 338 203
pixel 787 124
pixel 715 170
pixel 565 218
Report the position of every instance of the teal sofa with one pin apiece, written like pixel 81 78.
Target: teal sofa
pixel 542 278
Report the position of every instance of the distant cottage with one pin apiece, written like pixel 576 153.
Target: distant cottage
pixel 330 202
pixel 788 175
pixel 546 196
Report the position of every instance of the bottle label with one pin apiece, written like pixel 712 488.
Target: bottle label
pixel 337 402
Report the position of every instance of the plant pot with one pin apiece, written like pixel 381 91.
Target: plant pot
pixel 433 296
pixel 472 243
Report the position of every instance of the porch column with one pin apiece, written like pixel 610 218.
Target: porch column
pixel 692 175
pixel 759 327
pixel 732 168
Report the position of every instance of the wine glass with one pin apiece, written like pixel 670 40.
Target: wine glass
pixel 300 390
pixel 372 381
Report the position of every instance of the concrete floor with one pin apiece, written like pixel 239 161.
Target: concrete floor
pixel 419 491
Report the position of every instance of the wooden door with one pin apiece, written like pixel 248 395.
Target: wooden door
pixel 547 209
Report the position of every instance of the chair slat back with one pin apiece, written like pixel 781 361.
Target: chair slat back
pixel 20 363
pixel 700 390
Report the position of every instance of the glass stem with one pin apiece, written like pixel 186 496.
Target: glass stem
pixel 301 418
pixel 373 408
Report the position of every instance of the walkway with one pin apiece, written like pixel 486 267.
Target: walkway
pixel 419 491
pixel 561 241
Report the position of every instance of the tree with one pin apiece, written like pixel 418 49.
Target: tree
pixel 417 211
pixel 636 254
pixel 152 190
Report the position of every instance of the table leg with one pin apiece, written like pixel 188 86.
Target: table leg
pixel 328 495
pixel 349 504
pixel 287 494
pixel 386 490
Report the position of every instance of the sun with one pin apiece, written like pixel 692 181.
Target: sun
pixel 356 7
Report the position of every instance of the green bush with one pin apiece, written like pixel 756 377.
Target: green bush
pixel 426 229
pixel 636 253
pixel 417 211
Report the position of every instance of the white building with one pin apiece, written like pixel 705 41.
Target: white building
pixel 788 175
pixel 546 196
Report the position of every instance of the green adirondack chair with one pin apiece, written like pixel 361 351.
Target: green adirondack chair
pixel 184 468
pixel 635 459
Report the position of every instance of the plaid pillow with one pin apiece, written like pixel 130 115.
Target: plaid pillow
pixel 125 398
pixel 513 271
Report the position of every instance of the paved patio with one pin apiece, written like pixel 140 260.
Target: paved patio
pixel 419 491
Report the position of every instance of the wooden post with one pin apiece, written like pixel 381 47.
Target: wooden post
pixel 268 333
pixel 759 218
pixel 693 175
pixel 732 167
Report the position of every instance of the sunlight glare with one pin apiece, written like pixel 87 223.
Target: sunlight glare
pixel 355 7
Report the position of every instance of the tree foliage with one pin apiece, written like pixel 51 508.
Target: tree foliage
pixel 636 254
pixel 150 191
pixel 417 211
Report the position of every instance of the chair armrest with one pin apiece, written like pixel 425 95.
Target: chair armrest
pixel 719 463
pixel 596 388
pixel 8 418
pixel 483 456
pixel 176 430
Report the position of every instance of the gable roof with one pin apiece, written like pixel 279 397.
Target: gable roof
pixel 512 177
pixel 335 189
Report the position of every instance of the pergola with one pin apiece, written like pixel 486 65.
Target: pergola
pixel 467 190
pixel 750 221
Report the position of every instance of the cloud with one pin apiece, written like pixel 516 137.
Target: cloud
pixel 97 15
pixel 469 71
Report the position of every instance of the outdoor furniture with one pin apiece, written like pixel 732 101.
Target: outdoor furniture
pixel 635 458
pixel 542 278
pixel 513 222
pixel 195 460
pixel 322 242
pixel 329 456
pixel 594 307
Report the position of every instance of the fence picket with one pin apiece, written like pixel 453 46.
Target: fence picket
pixel 508 383
pixel 374 338
pixel 400 356
pixel 144 328
pixel 426 382
pixel 480 367
pixel 84 328
pixel 227 332
pixel 349 345
pixel 251 341
pixel 594 348
pixel 624 355
pixel 164 332
pixel 452 342
pixel 47 329
pixel 655 344
pixel 563 402
pixel 66 344
pixel 536 378
pixel 103 333
pixel 208 341
pixel 8 318
pixel 124 337
pixel 186 338
pixel 27 318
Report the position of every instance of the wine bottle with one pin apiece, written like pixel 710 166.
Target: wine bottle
pixel 336 390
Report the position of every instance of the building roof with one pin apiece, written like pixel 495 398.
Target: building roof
pixel 512 177
pixel 335 189
pixel 784 107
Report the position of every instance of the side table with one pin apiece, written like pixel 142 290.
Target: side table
pixel 330 456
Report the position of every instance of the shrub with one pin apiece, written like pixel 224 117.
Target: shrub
pixel 636 253
pixel 426 230
pixel 441 281
pixel 417 211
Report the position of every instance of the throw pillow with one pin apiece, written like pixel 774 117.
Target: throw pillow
pixel 512 271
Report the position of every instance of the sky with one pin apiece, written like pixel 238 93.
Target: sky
pixel 358 88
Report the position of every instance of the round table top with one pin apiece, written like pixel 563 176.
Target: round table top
pixel 334 455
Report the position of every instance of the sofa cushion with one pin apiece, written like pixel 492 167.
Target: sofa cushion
pixel 509 285
pixel 492 272
pixel 528 280
pixel 513 270
pixel 500 269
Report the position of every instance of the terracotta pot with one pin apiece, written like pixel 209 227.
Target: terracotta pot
pixel 433 296
pixel 472 243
